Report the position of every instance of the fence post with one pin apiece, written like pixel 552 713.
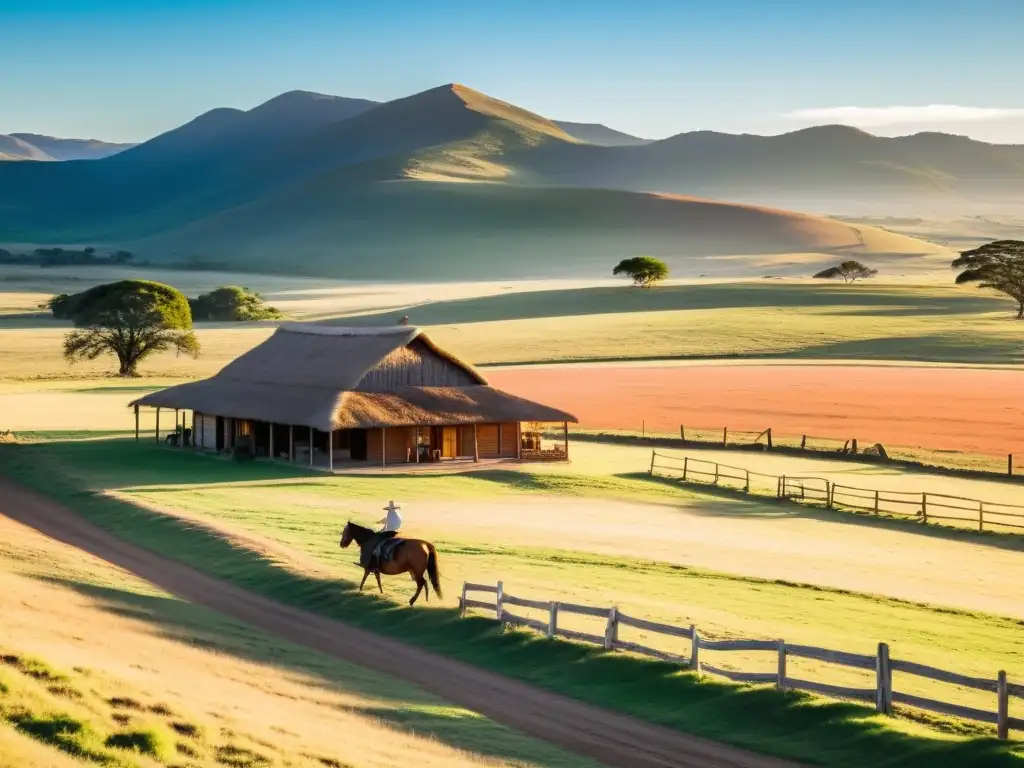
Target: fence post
pixel 981 515
pixel 876 502
pixel 1009 464
pixel 686 462
pixel 500 600
pixel 725 436
pixel 746 488
pixel 651 472
pixel 462 602
pixel 643 428
pixel 803 443
pixel 883 681
pixel 1003 710
pixel 924 507
pixel 553 619
pixel 611 630
pixel 682 433
pixel 782 487
pixel 853 446
pixel 782 666
pixel 695 649
pixel 716 473
pixel 769 438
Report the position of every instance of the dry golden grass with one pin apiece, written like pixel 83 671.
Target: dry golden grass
pixel 137 659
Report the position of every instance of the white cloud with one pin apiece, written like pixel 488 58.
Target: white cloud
pixel 871 117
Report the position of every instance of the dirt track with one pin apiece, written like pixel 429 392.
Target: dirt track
pixel 610 738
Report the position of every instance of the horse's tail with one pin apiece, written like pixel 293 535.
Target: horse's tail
pixel 434 570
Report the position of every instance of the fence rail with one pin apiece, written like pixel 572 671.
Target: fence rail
pixel 883 694
pixel 922 505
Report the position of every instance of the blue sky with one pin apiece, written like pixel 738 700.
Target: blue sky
pixel 128 69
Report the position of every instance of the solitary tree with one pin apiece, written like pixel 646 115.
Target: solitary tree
pixel 998 265
pixel 850 271
pixel 130 319
pixel 645 271
pixel 231 302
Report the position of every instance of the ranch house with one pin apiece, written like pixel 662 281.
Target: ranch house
pixel 330 396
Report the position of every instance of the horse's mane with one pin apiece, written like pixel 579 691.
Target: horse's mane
pixel 357 529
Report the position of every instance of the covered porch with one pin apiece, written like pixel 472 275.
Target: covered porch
pixel 346 448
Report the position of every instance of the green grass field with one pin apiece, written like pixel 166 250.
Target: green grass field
pixel 274 530
pixel 768 318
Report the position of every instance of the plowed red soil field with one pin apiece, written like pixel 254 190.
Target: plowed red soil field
pixel 972 410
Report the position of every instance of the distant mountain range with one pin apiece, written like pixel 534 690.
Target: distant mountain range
pixel 32 146
pixel 451 182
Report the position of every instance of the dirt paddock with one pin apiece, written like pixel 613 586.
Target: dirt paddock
pixel 973 410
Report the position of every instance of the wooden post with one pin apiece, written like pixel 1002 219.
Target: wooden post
pixel 193 436
pixel 770 438
pixel 695 650
pixel 686 464
pixel 746 488
pixel 565 432
pixel 649 472
pixel 643 428
pixel 416 442
pixel 462 602
pixel 853 446
pixel 500 600
pixel 781 684
pixel 519 441
pixel 330 450
pixel 883 681
pixel 682 433
pixel 611 630
pixel 383 447
pixel 924 507
pixel 136 423
pixel 1003 707
pixel 291 442
pixel 981 515
pixel 311 446
pixel 158 423
pixel 725 436
pixel 803 443
pixel 476 445
pixel 1009 464
pixel 553 620
pixel 876 502
pixel 716 473
pixel 179 434
pixel 271 441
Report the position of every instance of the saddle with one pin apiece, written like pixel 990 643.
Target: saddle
pixel 380 549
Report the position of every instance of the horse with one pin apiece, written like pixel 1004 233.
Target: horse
pixel 415 556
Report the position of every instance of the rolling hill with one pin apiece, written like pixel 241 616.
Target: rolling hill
pixel 32 146
pixel 451 182
pixel 602 135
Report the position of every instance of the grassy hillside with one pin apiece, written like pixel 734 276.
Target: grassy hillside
pixel 201 521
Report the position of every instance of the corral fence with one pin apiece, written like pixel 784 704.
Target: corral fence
pixel 925 506
pixel 882 695
pixel 1009 464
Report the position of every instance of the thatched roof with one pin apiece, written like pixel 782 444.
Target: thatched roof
pixel 309 375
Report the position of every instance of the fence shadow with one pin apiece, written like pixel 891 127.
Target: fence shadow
pixel 745 506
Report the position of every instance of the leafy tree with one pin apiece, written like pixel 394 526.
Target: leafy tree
pixel 131 319
pixel 231 302
pixel 60 305
pixel 850 271
pixel 645 271
pixel 998 265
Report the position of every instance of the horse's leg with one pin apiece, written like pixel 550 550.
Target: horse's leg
pixel 379 585
pixel 365 574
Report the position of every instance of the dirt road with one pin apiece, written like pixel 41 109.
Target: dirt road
pixel 610 738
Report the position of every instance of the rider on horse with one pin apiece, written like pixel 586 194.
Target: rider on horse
pixel 389 528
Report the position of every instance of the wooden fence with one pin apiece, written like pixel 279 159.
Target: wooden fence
pixel 925 506
pixel 882 695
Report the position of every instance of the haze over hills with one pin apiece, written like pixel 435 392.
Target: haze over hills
pixel 456 183
pixel 33 146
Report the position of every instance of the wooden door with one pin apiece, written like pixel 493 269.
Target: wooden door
pixel 449 442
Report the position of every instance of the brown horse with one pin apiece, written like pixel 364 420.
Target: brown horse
pixel 415 556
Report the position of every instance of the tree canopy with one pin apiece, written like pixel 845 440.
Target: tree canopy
pixel 231 302
pixel 644 271
pixel 131 319
pixel 850 271
pixel 998 265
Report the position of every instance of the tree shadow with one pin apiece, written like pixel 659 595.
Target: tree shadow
pixel 926 348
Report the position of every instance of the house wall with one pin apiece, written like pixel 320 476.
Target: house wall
pixel 399 442
pixel 509 439
pixel 415 365
pixel 487 440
